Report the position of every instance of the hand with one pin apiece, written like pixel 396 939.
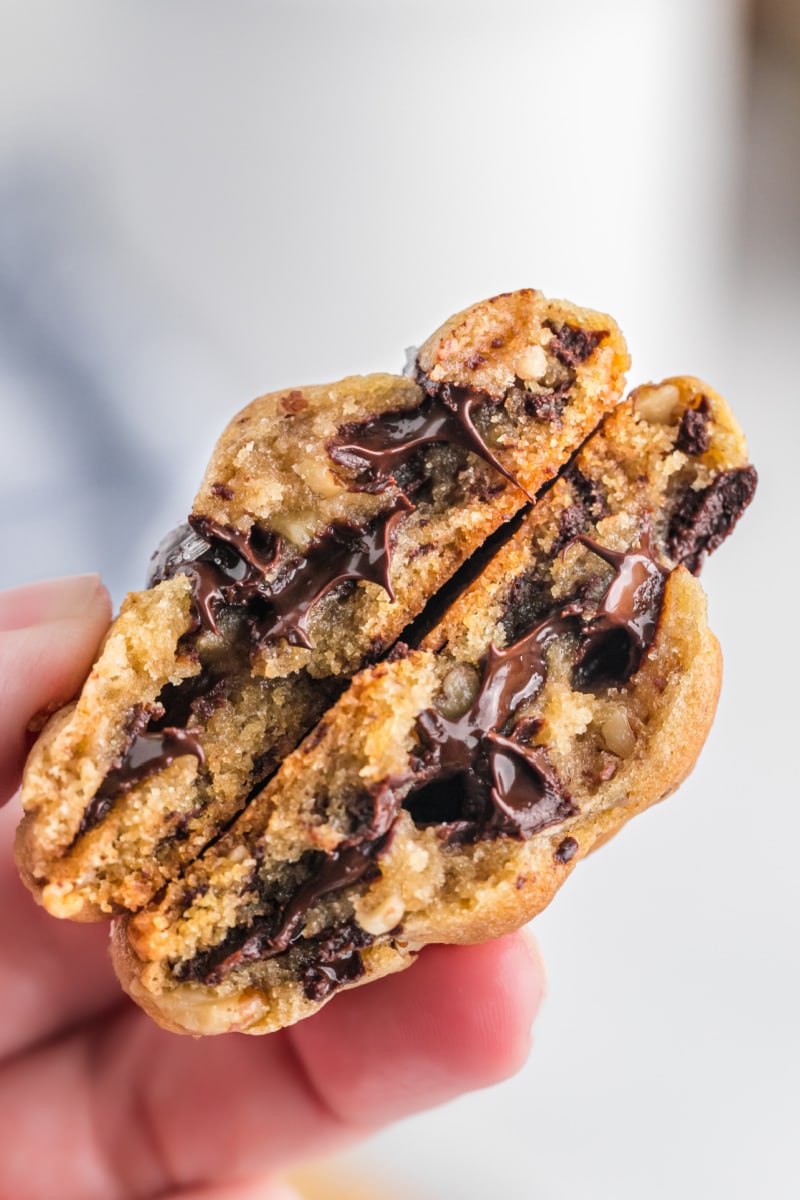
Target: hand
pixel 97 1103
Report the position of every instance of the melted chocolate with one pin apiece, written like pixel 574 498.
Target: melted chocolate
pixel 342 553
pixel 478 781
pixel 146 755
pixel 702 520
pixel 224 565
pixel 228 568
pixel 335 960
pixel 507 785
pixel 377 448
pixel 274 932
pixel 615 638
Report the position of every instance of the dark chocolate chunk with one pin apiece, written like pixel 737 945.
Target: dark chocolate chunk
pixel 222 490
pixel 546 406
pixel 146 754
pixel 573 521
pixel 588 492
pixel 335 959
pixel 702 520
pixel 693 435
pixel 572 345
pixel 566 850
pixel 614 640
pixel 527 793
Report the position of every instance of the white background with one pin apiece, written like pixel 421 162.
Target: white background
pixel 200 202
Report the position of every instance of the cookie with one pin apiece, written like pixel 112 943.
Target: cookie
pixel 327 518
pixel 453 787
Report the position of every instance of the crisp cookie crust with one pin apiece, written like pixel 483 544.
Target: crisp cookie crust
pixel 452 788
pixel 376 489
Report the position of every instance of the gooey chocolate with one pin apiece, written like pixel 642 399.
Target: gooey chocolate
pixel 229 568
pixel 475 778
pixel 377 448
pixel 480 781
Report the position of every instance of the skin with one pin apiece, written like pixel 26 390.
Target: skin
pixel 97 1103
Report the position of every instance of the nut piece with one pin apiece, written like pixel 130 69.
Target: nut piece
pixel 386 916
pixel 297 527
pixel 459 688
pixel 657 404
pixel 618 737
pixel 532 364
pixel 318 478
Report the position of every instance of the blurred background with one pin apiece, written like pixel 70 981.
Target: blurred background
pixel 201 202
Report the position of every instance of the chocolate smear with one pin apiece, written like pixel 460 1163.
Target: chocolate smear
pixel 615 638
pixel 273 933
pixel 476 780
pixel 343 552
pixel 703 519
pixel 146 755
pixel 377 448
pixel 228 568
pixel 336 960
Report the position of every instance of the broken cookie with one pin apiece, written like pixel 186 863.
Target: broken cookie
pixel 450 790
pixel 328 517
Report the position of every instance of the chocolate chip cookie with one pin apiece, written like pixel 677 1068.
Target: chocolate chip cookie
pixel 450 790
pixel 328 517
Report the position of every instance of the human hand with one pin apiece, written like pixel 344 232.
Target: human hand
pixel 98 1102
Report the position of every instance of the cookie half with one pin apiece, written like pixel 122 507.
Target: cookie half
pixel 451 789
pixel 328 516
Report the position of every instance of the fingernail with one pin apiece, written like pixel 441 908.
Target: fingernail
pixel 51 600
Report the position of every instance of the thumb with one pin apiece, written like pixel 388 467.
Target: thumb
pixel 49 634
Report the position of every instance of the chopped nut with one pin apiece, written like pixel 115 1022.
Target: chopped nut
pixel 297 527
pixel 657 404
pixel 618 737
pixel 459 689
pixel 532 363
pixel 319 479
pixel 386 916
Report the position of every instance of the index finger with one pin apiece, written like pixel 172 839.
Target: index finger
pixel 49 634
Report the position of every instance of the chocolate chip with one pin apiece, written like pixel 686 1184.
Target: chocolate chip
pixel 566 850
pixel 693 434
pixel 222 490
pixel 702 520
pixel 588 491
pixel 546 406
pixel 572 345
pixel 573 520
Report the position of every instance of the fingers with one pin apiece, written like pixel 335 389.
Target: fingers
pixel 50 975
pixel 53 974
pixel 130 1111
pixel 252 1190
pixel 459 1021
pixel 49 633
